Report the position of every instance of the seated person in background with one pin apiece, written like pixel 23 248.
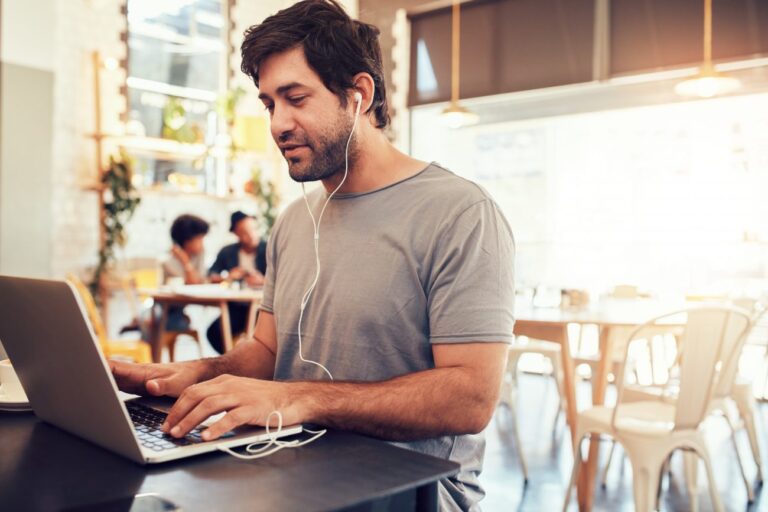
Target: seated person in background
pixel 186 262
pixel 246 261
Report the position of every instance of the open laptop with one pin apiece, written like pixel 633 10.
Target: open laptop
pixel 56 355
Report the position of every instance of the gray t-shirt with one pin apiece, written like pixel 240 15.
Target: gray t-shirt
pixel 426 260
pixel 173 267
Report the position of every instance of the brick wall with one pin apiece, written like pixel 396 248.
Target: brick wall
pixel 81 27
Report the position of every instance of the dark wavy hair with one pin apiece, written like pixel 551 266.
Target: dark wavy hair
pixel 187 227
pixel 336 47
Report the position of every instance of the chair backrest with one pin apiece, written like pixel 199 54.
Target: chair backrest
pixel 146 278
pixel 710 344
pixel 625 291
pixel 90 307
pixel 730 367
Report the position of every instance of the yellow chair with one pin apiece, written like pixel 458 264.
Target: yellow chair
pixel 148 278
pixel 136 350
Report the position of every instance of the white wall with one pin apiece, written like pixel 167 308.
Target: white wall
pixel 670 197
pixel 28 33
pixel 26 124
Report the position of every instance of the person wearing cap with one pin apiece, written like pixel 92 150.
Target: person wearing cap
pixel 243 261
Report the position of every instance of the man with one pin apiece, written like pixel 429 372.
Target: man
pixel 412 309
pixel 244 261
pixel 184 264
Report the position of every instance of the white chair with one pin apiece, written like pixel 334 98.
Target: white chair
pixel 508 396
pixel 733 399
pixel 649 431
pixel 508 399
pixel 580 356
pixel 547 350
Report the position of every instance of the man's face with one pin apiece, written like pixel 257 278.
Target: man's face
pixel 246 233
pixel 307 120
pixel 194 246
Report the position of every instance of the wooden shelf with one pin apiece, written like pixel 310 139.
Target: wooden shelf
pixel 181 193
pixel 172 150
pixel 168 149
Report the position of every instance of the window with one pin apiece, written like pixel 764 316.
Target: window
pixel 506 46
pixel 177 69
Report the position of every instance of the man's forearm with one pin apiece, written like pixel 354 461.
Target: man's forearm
pixel 415 406
pixel 249 358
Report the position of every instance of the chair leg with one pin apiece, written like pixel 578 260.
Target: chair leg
pixel 645 482
pixel 717 505
pixel 747 484
pixel 691 472
pixel 557 373
pixel 168 342
pixel 664 471
pixel 196 336
pixel 557 416
pixel 574 473
pixel 519 445
pixel 750 424
pixel 604 479
pixel 172 348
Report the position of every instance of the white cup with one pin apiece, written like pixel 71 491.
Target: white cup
pixel 10 386
pixel 175 282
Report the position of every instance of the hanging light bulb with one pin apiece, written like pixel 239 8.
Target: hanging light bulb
pixel 708 82
pixel 455 115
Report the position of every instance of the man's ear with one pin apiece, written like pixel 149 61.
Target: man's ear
pixel 363 84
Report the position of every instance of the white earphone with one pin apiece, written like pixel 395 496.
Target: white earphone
pixel 272 444
pixel 316 224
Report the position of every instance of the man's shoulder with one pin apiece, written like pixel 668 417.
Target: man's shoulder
pixel 230 248
pixel 440 185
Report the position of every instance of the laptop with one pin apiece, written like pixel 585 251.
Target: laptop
pixel 45 331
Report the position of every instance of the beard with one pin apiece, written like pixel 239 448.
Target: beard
pixel 327 152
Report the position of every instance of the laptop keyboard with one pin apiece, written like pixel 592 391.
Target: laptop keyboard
pixel 147 422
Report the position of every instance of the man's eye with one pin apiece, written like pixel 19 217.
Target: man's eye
pixel 269 108
pixel 296 99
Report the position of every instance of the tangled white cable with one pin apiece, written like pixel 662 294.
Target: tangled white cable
pixel 273 444
pixel 261 449
pixel 316 229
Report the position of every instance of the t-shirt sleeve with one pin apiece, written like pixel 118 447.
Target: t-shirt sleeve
pixel 267 302
pixel 172 267
pixel 471 293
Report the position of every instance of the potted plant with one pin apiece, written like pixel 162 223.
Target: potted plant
pixel 120 199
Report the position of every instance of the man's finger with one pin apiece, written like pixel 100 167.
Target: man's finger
pixel 157 387
pixel 230 421
pixel 129 377
pixel 188 400
pixel 207 407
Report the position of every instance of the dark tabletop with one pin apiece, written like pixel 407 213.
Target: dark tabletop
pixel 44 468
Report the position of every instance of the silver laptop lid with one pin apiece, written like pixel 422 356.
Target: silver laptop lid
pixel 56 355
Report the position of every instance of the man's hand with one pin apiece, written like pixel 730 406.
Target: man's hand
pixel 254 280
pixel 180 254
pixel 236 274
pixel 245 400
pixel 157 379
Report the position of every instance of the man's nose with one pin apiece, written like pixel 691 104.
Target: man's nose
pixel 282 124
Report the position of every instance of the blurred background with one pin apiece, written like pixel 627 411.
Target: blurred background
pixel 607 174
pixel 625 140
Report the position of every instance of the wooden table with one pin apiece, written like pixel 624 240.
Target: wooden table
pixel 42 468
pixel 203 295
pixel 551 324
